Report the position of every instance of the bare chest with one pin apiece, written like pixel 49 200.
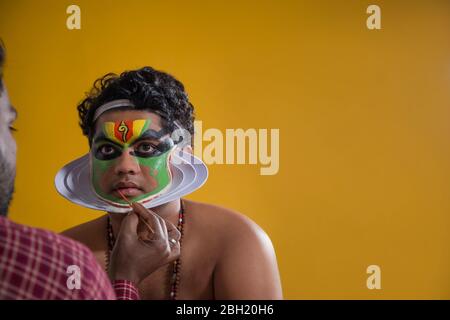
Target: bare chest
pixel 196 271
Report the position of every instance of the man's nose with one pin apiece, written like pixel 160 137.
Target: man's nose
pixel 127 164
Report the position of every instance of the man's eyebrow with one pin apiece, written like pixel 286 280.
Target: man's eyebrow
pixel 152 134
pixel 102 137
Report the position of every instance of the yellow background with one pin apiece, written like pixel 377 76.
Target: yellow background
pixel 363 116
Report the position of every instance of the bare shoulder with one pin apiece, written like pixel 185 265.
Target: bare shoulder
pixel 245 265
pixel 88 232
pixel 226 225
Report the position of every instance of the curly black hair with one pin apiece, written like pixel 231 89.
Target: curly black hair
pixel 148 89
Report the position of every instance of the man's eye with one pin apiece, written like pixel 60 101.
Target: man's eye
pixel 107 150
pixel 145 148
pixel 11 128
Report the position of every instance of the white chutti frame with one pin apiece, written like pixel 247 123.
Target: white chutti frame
pixel 73 182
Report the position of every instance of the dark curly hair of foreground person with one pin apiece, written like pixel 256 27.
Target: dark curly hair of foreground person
pixel 148 89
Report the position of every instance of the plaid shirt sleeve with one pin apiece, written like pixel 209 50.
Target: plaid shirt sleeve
pixel 125 290
pixel 38 264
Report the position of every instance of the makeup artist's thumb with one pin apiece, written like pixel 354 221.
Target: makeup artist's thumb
pixel 129 224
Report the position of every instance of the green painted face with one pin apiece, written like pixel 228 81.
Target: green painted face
pixel 129 156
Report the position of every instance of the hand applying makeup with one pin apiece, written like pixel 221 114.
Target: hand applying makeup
pixel 144 244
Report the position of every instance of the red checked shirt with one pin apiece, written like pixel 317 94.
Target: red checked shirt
pixel 39 264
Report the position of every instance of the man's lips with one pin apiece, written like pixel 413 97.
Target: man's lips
pixel 128 189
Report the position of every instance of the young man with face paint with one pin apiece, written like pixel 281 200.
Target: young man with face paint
pixel 128 120
pixel 38 264
pixel 142 142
